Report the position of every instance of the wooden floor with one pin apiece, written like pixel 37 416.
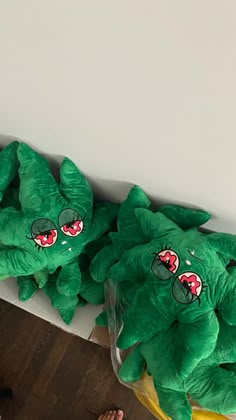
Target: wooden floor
pixel 55 375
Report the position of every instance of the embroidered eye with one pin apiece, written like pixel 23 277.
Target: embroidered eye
pixel 165 264
pixel 187 287
pixel 71 223
pixel 44 233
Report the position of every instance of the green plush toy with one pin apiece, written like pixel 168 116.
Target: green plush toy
pixel 130 234
pixel 184 281
pixel 53 225
pixel 212 384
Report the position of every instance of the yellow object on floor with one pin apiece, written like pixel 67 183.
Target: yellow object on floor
pixel 146 394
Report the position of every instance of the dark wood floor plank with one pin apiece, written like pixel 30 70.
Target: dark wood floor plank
pixel 55 375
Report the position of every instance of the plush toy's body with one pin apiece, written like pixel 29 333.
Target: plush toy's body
pixel 210 384
pixel 185 280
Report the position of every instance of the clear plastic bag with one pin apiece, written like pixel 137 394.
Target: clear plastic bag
pixel 143 388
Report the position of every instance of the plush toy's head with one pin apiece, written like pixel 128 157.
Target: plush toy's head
pixel 54 222
pixel 130 234
pixel 186 263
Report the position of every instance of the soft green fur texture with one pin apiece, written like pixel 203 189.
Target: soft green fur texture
pixel 54 222
pixel 185 291
pixel 129 232
pixel 176 299
pixel 90 291
pixel 212 384
pixel 8 167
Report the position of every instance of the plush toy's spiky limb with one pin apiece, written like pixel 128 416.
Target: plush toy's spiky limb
pixel 41 181
pixel 27 287
pixel 130 335
pixel 17 262
pixel 91 291
pixel 212 384
pixel 69 279
pixel 129 234
pixel 103 216
pixel 41 277
pixel 175 404
pixel 66 305
pixel 185 218
pixel 74 186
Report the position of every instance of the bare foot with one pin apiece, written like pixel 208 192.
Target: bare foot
pixel 112 415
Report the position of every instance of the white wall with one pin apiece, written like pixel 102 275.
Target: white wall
pixel 141 91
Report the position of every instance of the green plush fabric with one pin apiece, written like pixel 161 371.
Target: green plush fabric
pixel 54 222
pixel 212 384
pixel 184 281
pixel 129 232
pixel 89 292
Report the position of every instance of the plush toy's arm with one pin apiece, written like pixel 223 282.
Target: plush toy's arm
pixel 66 306
pixel 19 262
pixel 69 279
pixel 214 389
pixel 91 291
pixel 27 287
pixel 102 262
pixel 103 216
pixel 198 340
pixel 150 320
pixel 175 404
pixel 41 277
pixel 133 366
pixel 129 267
pixel 185 218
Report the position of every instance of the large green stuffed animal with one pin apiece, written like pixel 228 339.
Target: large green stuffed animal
pixel 53 225
pixel 184 281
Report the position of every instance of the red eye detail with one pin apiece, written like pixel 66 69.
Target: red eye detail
pixel 46 239
pixel 73 228
pixel 170 260
pixel 191 282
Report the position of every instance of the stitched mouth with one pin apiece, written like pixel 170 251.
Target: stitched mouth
pixel 67 249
